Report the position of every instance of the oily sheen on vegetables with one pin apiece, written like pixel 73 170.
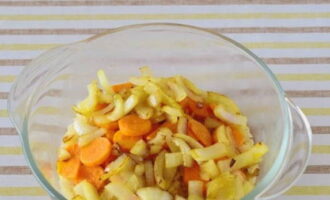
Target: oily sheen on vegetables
pixel 157 138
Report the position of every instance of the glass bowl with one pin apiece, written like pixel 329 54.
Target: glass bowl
pixel 40 100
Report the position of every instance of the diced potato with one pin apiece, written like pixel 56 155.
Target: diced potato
pixel 154 100
pixel 209 170
pixel 144 111
pixel 231 118
pixel 177 197
pixel 190 140
pixel 211 123
pixel 149 173
pixel 63 154
pixel 139 169
pixel 171 145
pixel 160 137
pixel 130 103
pixel 106 195
pixel 135 182
pixel 122 163
pixel 224 165
pixel 86 190
pixel 179 92
pixel 173 159
pixel 185 149
pixel 152 193
pixel 156 148
pixel 88 105
pixel 217 150
pixel 120 191
pixel 66 187
pixel 159 166
pixel 250 157
pixel 182 125
pixel 195 190
pixel 81 125
pixel 169 174
pixel 118 111
pixel 103 80
pixel 87 138
pixel 175 112
pixel 140 148
pixel 228 103
pixel 222 187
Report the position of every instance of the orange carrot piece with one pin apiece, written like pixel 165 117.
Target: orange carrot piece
pixel 73 150
pixel 171 126
pixel 123 86
pixel 92 175
pixel 199 109
pixel 69 168
pixel 200 132
pixel 109 135
pixel 96 152
pixel 191 173
pixel 238 137
pixel 125 142
pixel 133 125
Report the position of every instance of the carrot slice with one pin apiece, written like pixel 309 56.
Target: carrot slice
pixel 132 125
pixel 69 168
pixel 119 87
pixel 92 175
pixel 200 132
pixel 73 150
pixel 125 142
pixel 191 173
pixel 109 135
pixel 96 152
pixel 238 137
pixel 199 109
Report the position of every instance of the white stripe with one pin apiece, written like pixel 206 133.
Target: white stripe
pixel 5 123
pixel 312 102
pixel 313 180
pixel 5 87
pixel 305 85
pixel 41 39
pixel 11 70
pixel 300 68
pixel 164 9
pixel 20 54
pixel 241 37
pixel 321 139
pixel 10 141
pixel 212 23
pixel 12 160
pixel 319 159
pixel 18 181
pixel 3 104
pixel 301 197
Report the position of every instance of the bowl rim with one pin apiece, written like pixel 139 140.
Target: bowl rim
pixel 261 187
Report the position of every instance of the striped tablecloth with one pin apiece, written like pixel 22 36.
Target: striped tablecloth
pixel 292 36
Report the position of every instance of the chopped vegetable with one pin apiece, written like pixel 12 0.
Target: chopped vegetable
pixel 150 193
pixel 125 142
pixel 157 138
pixel 200 132
pixel 132 125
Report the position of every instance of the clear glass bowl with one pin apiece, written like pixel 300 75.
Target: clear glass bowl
pixel 40 101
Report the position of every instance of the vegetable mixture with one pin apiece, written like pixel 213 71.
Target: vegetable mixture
pixel 157 138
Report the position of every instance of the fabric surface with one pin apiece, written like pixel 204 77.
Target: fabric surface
pixel 292 37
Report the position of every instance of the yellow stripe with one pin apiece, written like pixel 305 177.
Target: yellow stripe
pixel 10 150
pixel 7 78
pixel 286 45
pixel 166 16
pixel 316 111
pixel 13 47
pixel 22 191
pixel 309 190
pixel 3 113
pixel 321 149
pixel 303 77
